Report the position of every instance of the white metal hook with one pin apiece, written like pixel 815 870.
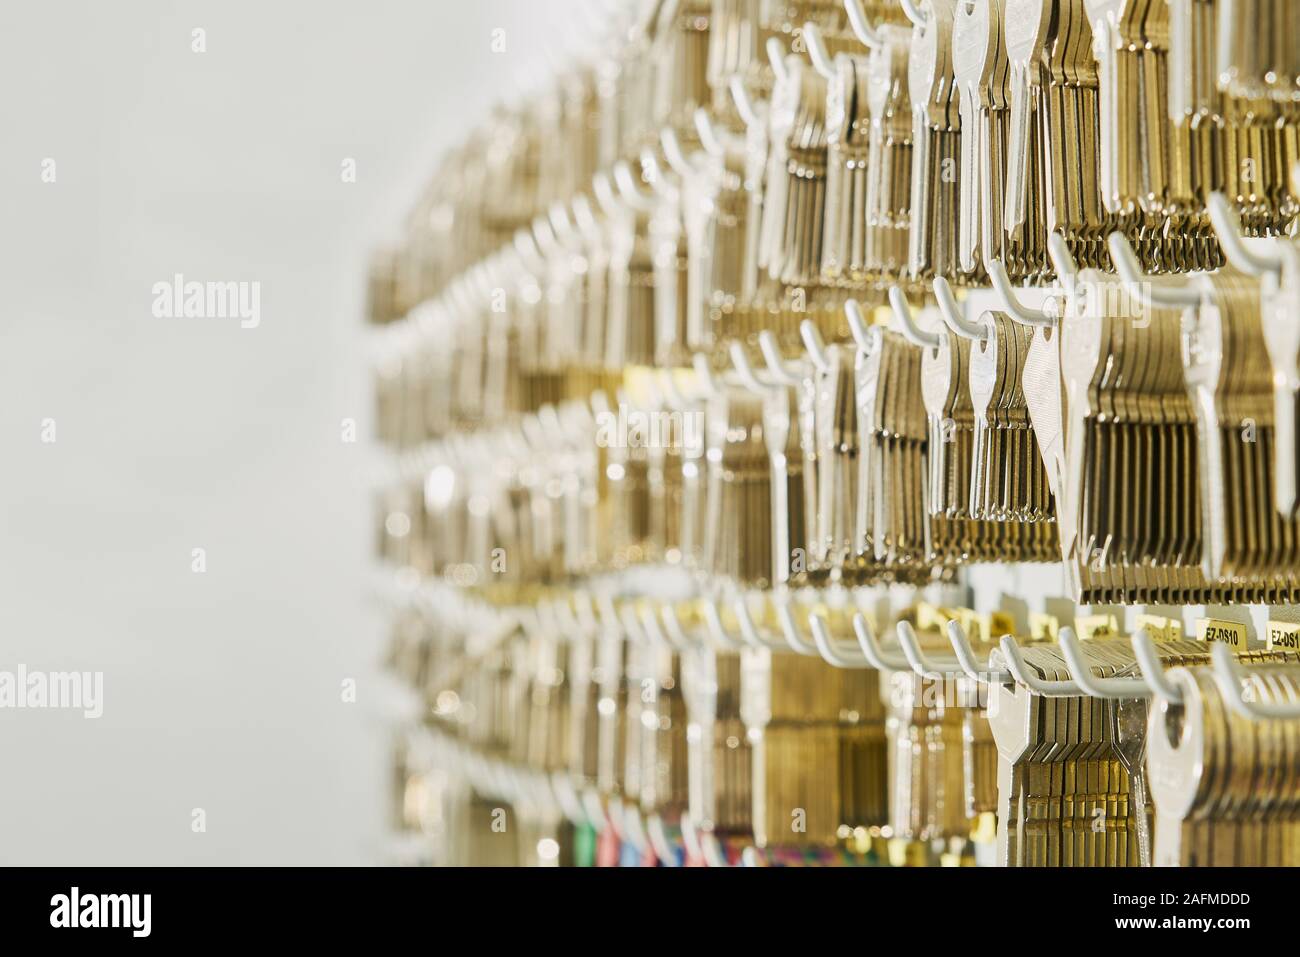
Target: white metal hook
pixel 668 386
pixel 791 631
pixel 658 179
pixel 549 418
pixel 565 619
pixel 817 52
pixel 454 297
pixel 562 224
pixel 1013 306
pixel 475 769
pixel 923 667
pixel 589 802
pixel 605 195
pixel 509 785
pixel 907 325
pixel 674 626
pixel 623 399
pixel 1114 689
pixel 666 12
pixel 775 362
pixel 503 781
pixel 707 134
pixel 1227 225
pixel 654 395
pixel 481 774
pixel 575 415
pixel 690 837
pixel 1146 289
pixel 713 621
pixel 812 342
pixel 628 189
pixel 640 19
pixel 746 371
pixel 537 787
pixel 702 844
pixel 1067 270
pixel 544 235
pixel 826 648
pixel 658 837
pixel 594 808
pixel 913 12
pixel 585 609
pixel 951 313
pixel 858 325
pixel 585 218
pixel 498 270
pixel 548 621
pixel 526 246
pixel 1024 676
pixel 966 658
pixel 744 105
pixel 705 374
pixel 632 625
pixel 1153 672
pixel 515 783
pixel 1229 676
pixel 566 796
pixel 558 626
pixel 776 57
pixel 546 795
pixel 871 650
pixel 858 21
pixel 712 849
pixel 610 622
pixel 749 631
pixel 653 629
pixel 672 149
pixel 626 820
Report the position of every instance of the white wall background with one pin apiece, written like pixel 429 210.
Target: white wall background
pixel 222 689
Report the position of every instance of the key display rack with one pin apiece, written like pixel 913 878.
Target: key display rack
pixel 841 433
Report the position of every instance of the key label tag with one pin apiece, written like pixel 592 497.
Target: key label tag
pixel 1159 627
pixel 1096 626
pixel 1043 627
pixel 1231 633
pixel 1283 635
pixel 930 617
pixel 999 623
